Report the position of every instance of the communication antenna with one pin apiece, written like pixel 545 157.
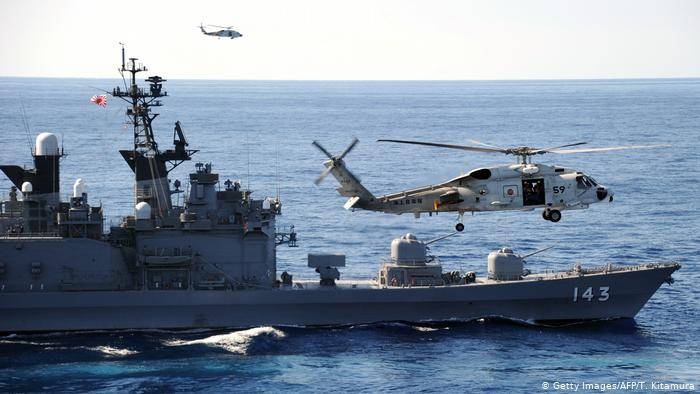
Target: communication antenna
pixel 123 68
pixel 247 149
pixel 277 175
pixel 27 131
pixel 123 56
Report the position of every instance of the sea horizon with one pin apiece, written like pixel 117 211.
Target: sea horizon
pixel 554 79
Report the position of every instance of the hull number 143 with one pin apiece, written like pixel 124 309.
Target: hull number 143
pixel 588 294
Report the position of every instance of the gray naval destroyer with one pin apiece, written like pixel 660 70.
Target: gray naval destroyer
pixel 212 262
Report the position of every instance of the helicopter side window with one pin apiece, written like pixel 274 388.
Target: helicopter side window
pixel 592 181
pixel 533 192
pixel 481 174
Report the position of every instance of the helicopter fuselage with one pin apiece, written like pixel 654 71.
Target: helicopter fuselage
pixel 521 186
pixel 507 187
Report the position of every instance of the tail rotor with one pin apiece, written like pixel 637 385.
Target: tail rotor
pixel 335 160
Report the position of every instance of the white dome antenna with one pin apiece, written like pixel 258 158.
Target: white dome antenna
pixel 143 211
pixel 27 187
pixel 46 145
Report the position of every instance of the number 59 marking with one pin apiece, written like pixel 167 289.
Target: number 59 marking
pixel 603 294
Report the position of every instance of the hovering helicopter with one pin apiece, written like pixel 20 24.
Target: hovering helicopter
pixel 224 32
pixel 520 186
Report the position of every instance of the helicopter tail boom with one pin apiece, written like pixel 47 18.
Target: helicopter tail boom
pixel 350 185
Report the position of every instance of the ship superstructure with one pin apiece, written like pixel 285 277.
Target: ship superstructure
pixel 221 238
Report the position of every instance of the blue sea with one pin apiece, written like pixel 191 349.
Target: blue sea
pixel 261 131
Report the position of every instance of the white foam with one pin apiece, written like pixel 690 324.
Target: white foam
pixel 113 351
pixel 23 342
pixel 425 329
pixel 106 350
pixel 236 342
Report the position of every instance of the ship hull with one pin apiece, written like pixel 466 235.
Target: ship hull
pixel 619 294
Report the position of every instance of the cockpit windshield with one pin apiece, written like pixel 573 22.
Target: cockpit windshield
pixel 582 182
pixel 585 182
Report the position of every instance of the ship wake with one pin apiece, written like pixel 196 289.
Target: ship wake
pixel 254 340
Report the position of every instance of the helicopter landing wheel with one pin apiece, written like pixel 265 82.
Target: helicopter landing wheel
pixel 459 227
pixel 545 215
pixel 554 215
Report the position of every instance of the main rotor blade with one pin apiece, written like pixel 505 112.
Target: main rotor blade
pixel 565 151
pixel 462 147
pixel 349 148
pixel 486 145
pixel 323 175
pixel 545 150
pixel 322 149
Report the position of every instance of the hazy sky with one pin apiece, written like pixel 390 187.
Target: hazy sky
pixel 310 39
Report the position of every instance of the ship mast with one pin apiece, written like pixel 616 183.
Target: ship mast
pixel 141 103
pixel 145 159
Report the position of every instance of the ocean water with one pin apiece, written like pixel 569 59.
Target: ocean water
pixel 261 131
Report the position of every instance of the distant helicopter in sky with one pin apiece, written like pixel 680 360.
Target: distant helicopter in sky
pixel 225 32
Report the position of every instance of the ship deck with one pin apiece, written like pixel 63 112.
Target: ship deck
pixel 576 272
